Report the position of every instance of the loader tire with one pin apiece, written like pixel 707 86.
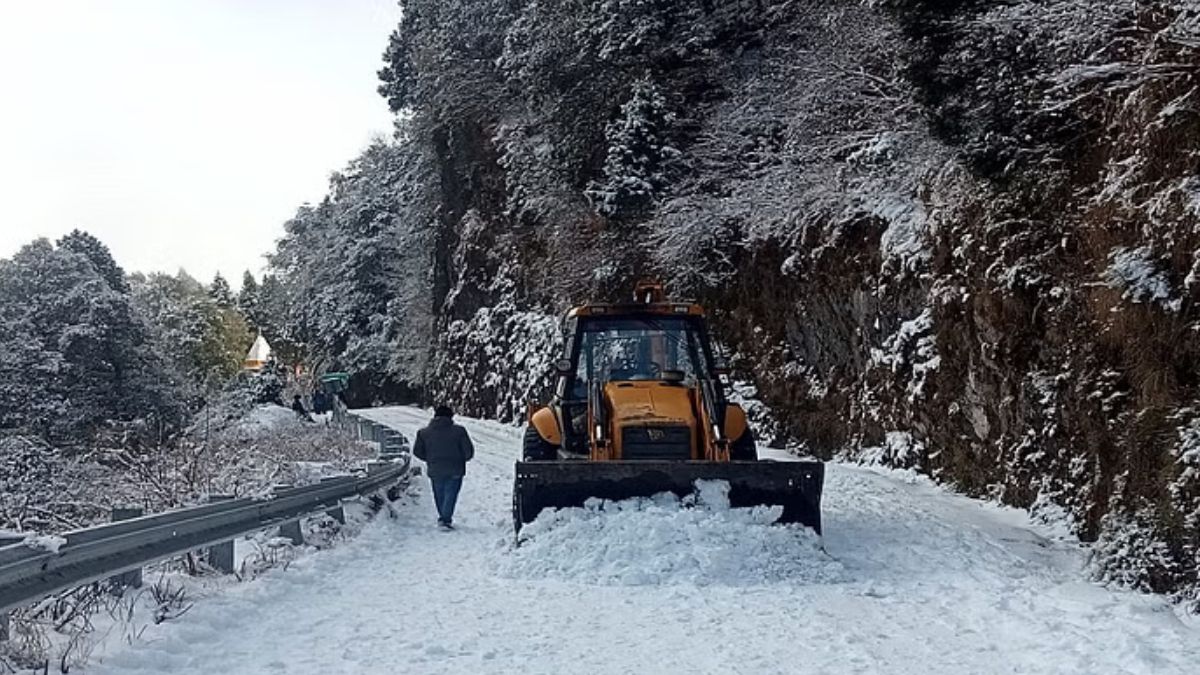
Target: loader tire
pixel 744 449
pixel 536 448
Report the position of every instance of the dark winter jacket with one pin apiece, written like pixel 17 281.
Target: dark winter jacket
pixel 445 448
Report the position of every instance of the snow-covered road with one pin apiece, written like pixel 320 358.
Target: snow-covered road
pixel 912 580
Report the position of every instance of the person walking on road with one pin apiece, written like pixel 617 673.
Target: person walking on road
pixel 445 448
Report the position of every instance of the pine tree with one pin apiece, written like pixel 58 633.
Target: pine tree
pixel 247 299
pixel 397 77
pixel 220 292
pixel 639 154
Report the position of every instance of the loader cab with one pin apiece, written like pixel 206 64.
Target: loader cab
pixel 656 346
pixel 670 350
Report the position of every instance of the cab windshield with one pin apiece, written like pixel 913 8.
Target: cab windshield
pixel 630 349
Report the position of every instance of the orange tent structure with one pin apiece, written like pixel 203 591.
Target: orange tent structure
pixel 259 353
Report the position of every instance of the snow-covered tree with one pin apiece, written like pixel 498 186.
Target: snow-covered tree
pixel 79 356
pixel 349 279
pixel 247 298
pixel 204 341
pixel 639 159
pixel 220 291
pixel 98 254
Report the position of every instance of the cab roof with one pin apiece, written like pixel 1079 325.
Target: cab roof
pixel 637 309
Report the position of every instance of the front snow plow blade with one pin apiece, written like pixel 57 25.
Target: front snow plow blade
pixel 796 486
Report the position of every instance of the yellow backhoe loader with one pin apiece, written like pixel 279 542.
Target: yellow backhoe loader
pixel 639 409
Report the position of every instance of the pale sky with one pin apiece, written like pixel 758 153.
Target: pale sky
pixel 182 133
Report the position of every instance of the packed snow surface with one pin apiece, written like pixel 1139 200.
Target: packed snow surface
pixel 911 580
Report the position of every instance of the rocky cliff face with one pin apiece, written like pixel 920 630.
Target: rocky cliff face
pixel 962 237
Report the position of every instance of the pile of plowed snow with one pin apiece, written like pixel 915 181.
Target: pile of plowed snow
pixel 267 417
pixel 663 540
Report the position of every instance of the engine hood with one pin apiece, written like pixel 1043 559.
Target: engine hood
pixel 641 403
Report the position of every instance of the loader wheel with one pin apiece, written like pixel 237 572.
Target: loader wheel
pixel 744 449
pixel 536 448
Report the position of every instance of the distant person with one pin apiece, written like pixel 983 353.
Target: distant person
pixel 337 403
pixel 445 448
pixel 301 412
pixel 320 402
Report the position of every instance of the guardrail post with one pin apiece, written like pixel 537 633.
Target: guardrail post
pixel 132 578
pixel 291 530
pixel 220 556
pixel 337 513
pixel 5 540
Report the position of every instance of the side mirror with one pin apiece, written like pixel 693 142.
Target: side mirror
pixel 563 366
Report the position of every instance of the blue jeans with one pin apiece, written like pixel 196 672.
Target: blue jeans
pixel 445 496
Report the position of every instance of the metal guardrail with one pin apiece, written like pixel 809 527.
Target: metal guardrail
pixel 392 443
pixel 94 553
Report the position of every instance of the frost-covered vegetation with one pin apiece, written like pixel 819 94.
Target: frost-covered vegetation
pixel 128 390
pixel 77 356
pixel 964 232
